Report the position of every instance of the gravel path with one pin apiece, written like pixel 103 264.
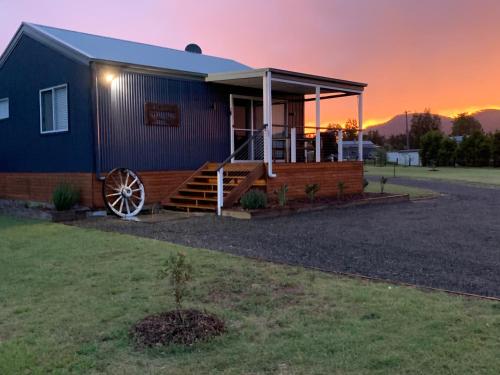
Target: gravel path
pixel 450 242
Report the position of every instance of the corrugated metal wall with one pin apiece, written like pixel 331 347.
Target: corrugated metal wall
pixel 203 134
pixel 30 68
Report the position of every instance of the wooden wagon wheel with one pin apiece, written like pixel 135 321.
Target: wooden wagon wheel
pixel 123 192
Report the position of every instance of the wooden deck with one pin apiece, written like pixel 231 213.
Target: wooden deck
pixel 162 184
pixel 328 175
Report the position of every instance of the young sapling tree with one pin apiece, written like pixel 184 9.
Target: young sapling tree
pixel 179 271
pixel 383 181
pixel 311 190
pixel 282 198
pixel 340 189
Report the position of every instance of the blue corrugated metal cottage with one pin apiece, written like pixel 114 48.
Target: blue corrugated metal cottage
pixel 197 131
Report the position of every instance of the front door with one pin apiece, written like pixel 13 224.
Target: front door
pixel 247 120
pixel 280 132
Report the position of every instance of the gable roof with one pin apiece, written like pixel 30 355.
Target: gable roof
pixel 87 47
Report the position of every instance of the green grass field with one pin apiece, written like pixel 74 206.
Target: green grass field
pixel 414 192
pixel 69 295
pixel 486 176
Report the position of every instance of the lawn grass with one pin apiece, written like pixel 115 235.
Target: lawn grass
pixel 485 176
pixel 69 295
pixel 414 192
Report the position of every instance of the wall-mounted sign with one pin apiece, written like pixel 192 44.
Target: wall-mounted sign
pixel 161 114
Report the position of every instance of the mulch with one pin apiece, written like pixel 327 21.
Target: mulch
pixel 182 327
pixel 341 200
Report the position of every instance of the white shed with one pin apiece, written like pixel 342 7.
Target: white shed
pixel 409 158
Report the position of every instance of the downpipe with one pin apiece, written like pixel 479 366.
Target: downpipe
pixel 97 122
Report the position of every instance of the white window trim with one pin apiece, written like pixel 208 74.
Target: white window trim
pixel 8 108
pixel 53 88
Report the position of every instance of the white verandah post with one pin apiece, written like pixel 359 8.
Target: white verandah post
pixel 268 119
pixel 220 191
pixel 231 135
pixel 293 145
pixel 340 145
pixel 264 117
pixel 360 125
pixel 318 125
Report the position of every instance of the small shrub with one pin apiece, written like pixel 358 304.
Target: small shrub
pixel 433 166
pixel 365 184
pixel 254 199
pixel 340 189
pixel 383 181
pixel 311 190
pixel 282 199
pixel 65 196
pixel 179 272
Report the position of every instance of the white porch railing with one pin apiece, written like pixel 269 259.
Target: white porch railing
pixel 267 92
pixel 306 144
pixel 250 150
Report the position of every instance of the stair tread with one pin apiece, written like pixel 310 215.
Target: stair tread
pixel 207 184
pixel 191 198
pixel 187 205
pixel 213 171
pixel 199 192
pixel 191 193
pixel 214 178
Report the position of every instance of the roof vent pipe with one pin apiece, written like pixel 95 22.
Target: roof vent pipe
pixel 193 48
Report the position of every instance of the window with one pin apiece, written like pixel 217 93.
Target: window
pixel 4 108
pixel 54 109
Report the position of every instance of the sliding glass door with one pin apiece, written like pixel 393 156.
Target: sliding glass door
pixel 247 119
pixel 247 122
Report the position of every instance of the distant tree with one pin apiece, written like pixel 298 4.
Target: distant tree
pixel 351 130
pixel 495 148
pixel 465 124
pixel 475 150
pixel 375 137
pixel 447 152
pixel 430 145
pixel 381 156
pixel 422 123
pixel 332 126
pixel 396 142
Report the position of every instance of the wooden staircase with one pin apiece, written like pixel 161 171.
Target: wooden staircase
pixel 199 191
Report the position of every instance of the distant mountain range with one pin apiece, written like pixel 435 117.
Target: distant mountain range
pixel 489 119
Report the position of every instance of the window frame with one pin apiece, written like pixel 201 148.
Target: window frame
pixel 6 99
pixel 53 89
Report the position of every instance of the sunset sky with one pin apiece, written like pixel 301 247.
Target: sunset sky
pixel 438 54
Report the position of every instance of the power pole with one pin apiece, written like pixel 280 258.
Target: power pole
pixel 407 133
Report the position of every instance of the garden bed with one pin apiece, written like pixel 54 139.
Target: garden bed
pixel 182 327
pixel 304 205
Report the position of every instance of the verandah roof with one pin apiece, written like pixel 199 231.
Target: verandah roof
pixel 288 81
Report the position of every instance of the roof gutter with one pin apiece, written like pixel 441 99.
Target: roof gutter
pixel 94 84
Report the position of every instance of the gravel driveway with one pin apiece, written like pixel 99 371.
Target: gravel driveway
pixel 450 242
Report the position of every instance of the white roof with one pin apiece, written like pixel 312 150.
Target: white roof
pixel 100 48
pixel 353 143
